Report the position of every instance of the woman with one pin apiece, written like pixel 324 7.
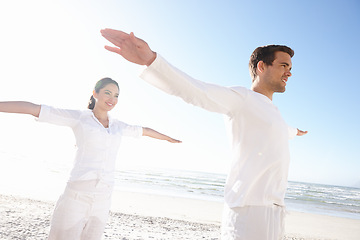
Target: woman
pixel 82 211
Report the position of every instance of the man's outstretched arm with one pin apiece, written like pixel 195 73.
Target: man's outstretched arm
pixel 169 79
pixel 129 47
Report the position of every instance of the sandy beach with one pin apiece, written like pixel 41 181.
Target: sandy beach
pixel 146 216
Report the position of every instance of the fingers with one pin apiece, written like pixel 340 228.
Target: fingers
pixel 128 46
pixel 115 41
pixel 172 140
pixel 301 133
pixel 113 49
pixel 113 33
pixel 136 41
pixel 116 37
pixel 133 38
pixel 119 38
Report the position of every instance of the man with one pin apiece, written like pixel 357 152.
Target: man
pixel 256 185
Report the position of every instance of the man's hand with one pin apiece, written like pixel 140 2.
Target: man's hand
pixel 301 133
pixel 130 47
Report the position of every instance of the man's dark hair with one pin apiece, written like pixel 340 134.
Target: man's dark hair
pixel 267 55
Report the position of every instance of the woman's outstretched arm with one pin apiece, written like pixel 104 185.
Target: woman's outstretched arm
pixel 154 134
pixel 20 107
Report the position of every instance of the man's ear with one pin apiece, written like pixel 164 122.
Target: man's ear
pixel 260 66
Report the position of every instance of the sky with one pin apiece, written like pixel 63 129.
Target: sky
pixel 51 52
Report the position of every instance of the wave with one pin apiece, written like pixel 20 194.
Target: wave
pixel 308 197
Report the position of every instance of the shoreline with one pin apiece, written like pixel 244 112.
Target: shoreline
pixel 148 216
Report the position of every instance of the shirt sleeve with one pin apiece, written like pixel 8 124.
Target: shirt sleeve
pixel 132 131
pixel 57 116
pixel 211 97
pixel 292 132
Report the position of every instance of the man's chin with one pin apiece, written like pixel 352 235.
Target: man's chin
pixel 280 90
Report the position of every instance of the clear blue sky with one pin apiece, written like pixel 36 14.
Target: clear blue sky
pixel 52 53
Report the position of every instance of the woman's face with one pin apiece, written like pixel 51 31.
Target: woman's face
pixel 107 97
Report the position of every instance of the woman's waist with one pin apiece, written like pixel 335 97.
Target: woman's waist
pixel 90 186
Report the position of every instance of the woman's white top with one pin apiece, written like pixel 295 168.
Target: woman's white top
pixel 97 146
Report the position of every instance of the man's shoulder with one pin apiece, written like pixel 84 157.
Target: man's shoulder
pixel 240 89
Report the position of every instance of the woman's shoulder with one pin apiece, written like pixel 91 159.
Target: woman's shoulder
pixel 119 123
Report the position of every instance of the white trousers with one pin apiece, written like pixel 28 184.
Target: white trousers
pixel 80 216
pixel 253 223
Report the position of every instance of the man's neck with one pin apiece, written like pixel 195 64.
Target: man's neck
pixel 258 89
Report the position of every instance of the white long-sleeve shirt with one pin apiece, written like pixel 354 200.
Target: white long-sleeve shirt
pixel 260 151
pixel 97 146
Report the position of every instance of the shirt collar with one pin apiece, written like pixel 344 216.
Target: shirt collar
pixel 90 113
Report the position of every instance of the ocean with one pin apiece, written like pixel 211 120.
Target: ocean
pixel 323 199
pixel 44 179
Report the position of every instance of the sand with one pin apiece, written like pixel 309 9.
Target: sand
pixel 22 218
pixel 146 216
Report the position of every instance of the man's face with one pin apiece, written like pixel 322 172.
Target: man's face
pixel 276 75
